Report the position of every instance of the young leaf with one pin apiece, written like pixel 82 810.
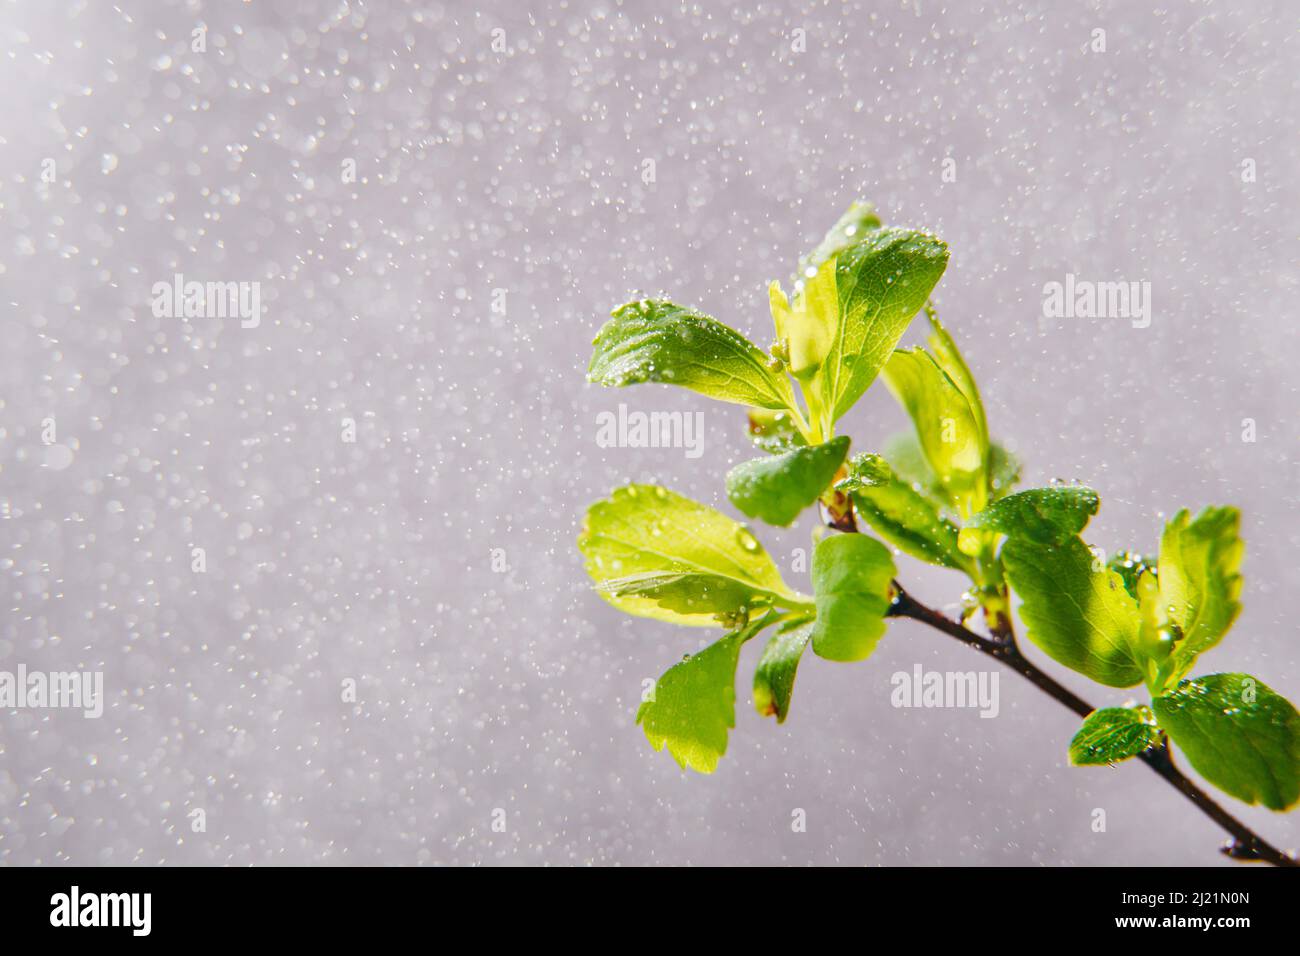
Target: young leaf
pixel 1112 734
pixel 774 431
pixel 688 594
pixel 1044 515
pixel 1156 638
pixel 1079 617
pixel 776 489
pixel 904 454
pixel 656 341
pixel 949 358
pixel 1004 471
pixel 945 424
pixel 774 677
pixel 806 327
pixel 880 283
pixel 694 704
pixel 857 221
pixel 852 576
pixel 653 553
pixel 903 517
pixel 1199 579
pixel 1130 566
pixel 1238 734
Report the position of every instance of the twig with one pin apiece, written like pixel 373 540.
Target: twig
pixel 1245 845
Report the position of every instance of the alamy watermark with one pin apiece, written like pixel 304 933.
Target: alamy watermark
pixel 179 299
pixel 946 689
pixel 653 430
pixel 129 910
pixel 1084 299
pixel 38 690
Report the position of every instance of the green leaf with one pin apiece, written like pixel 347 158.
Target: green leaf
pixel 948 357
pixel 776 489
pixel 904 454
pixel 880 283
pixel 1130 566
pixel 774 431
pixel 687 594
pixel 805 328
pixel 1113 734
pixel 1199 580
pixel 852 575
pixel 1156 635
pixel 1044 515
pixel 774 677
pixel 1238 734
pixel 903 517
pixel 860 219
pixel 1080 617
pixel 657 554
pixel 903 451
pixel 949 434
pixel 1004 471
pixel 656 341
pixel 694 703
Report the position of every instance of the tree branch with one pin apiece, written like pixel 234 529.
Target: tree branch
pixel 1245 845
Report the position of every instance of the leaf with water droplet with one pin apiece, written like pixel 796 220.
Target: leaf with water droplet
pixel 1238 734
pixel 1112 734
pixel 903 516
pixel 658 341
pixel 872 314
pixel 1004 471
pixel 774 431
pixel 779 488
pixel 858 220
pixel 1079 617
pixel 1044 515
pixel 1200 580
pixel 687 593
pixel 807 326
pixel 654 553
pixel 1130 566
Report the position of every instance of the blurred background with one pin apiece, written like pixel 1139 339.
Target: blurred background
pixel 500 156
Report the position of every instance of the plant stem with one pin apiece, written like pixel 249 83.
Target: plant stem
pixel 1245 845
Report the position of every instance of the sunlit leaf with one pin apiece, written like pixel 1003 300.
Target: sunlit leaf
pixel 1200 583
pixel 1113 734
pixel 1240 735
pixel 1078 615
pixel 774 677
pixel 778 488
pixel 694 704
pixel 651 340
pixel 902 516
pixel 657 554
pixel 852 575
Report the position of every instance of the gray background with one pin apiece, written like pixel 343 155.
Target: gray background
pixel 521 171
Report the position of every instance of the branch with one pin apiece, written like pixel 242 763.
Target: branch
pixel 1245 845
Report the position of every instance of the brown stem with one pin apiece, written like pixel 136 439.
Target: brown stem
pixel 1245 845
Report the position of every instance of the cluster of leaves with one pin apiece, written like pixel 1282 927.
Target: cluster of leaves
pixel 943 494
